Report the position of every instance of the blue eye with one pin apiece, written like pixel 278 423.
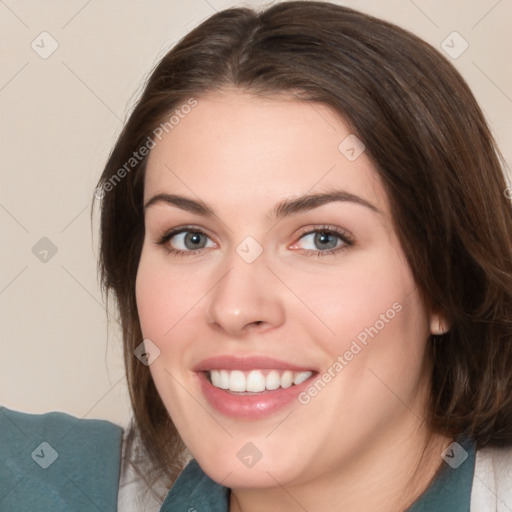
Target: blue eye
pixel 183 241
pixel 325 241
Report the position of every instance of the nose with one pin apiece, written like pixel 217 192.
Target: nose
pixel 245 299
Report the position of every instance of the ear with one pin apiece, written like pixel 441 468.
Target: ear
pixel 438 324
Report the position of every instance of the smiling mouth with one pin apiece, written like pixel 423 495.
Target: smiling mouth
pixel 255 381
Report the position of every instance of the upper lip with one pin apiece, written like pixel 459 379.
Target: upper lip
pixel 228 362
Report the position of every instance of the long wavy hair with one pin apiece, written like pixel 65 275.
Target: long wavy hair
pixel 432 148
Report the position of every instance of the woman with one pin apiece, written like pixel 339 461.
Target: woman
pixel 305 227
pixel 312 130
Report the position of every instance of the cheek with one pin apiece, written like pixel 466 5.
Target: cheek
pixel 153 298
pixel 165 302
pixel 370 296
pixel 165 295
pixel 375 350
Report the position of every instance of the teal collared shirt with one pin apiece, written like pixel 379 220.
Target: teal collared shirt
pixel 56 462
pixel 450 491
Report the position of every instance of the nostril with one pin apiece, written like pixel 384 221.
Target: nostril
pixel 255 324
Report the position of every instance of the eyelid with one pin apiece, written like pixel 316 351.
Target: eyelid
pixel 344 234
pixel 169 233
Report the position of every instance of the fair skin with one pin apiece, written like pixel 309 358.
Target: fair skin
pixel 355 444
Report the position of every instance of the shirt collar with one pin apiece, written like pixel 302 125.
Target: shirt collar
pixel 194 491
pixel 450 491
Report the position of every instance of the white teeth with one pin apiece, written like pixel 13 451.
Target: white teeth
pixel 273 380
pixel 220 379
pixel 237 381
pixel 256 381
pixel 215 378
pixel 299 378
pixel 287 379
pixel 224 380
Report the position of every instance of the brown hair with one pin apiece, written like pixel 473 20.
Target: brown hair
pixel 430 144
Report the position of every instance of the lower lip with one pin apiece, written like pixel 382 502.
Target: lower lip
pixel 250 406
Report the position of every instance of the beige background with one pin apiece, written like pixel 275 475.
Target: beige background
pixel 60 118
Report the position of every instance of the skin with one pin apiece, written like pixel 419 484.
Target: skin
pixel 355 445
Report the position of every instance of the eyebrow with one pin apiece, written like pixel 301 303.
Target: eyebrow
pixel 284 209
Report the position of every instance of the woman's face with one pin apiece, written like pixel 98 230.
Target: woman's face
pixel 289 270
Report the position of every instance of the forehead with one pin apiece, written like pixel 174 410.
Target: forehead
pixel 235 147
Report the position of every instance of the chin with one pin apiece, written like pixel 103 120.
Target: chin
pixel 229 471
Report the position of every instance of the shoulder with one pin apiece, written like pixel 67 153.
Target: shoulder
pixel 492 481
pixel 55 461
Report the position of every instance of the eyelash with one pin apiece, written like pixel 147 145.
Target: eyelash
pixel 329 230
